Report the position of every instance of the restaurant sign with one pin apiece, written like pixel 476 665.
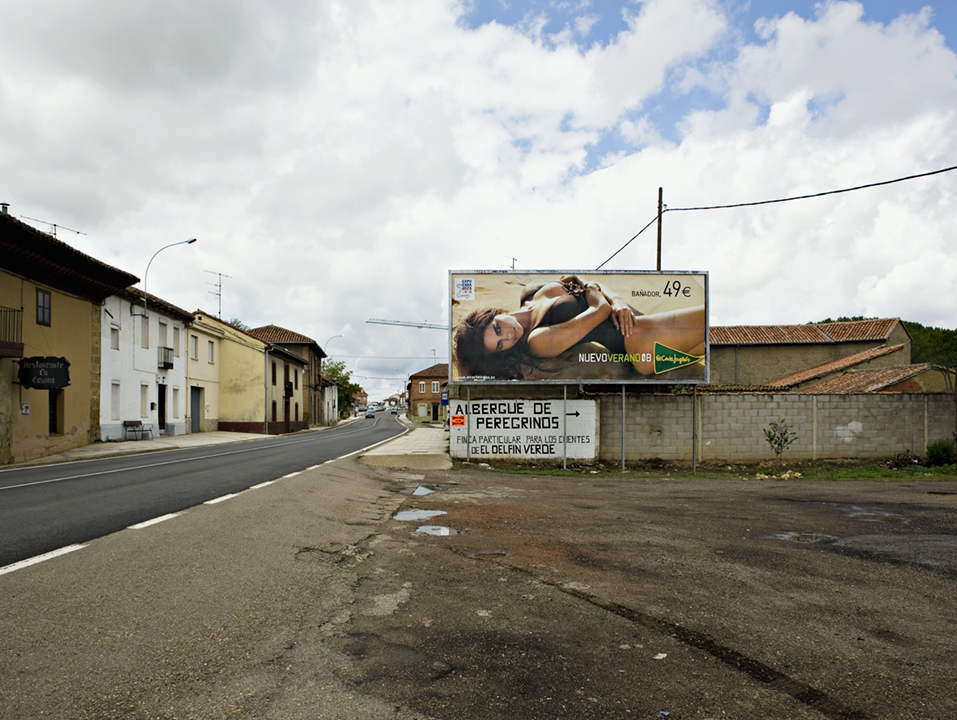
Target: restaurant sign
pixel 44 373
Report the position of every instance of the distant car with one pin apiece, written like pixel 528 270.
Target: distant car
pixel 370 412
pixel 395 410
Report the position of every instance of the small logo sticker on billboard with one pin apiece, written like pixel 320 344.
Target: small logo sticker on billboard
pixel 464 289
pixel 458 421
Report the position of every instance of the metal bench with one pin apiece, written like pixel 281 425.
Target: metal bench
pixel 138 429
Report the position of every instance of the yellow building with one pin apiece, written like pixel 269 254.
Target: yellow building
pixel 50 322
pixel 260 385
pixel 202 373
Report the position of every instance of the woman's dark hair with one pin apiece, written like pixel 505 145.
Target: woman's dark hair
pixel 475 361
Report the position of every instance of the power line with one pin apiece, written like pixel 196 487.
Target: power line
pixel 780 200
pixel 628 243
pixel 814 195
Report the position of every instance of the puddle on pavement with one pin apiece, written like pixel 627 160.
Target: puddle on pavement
pixel 422 490
pixel 876 515
pixel 802 537
pixel 417 515
pixel 437 530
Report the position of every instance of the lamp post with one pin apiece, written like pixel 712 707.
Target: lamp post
pixel 146 274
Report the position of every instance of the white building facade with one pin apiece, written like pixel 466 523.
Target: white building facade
pixel 142 366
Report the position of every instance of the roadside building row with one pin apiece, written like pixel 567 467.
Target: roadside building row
pixel 86 357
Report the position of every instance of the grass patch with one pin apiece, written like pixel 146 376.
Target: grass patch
pixel 846 471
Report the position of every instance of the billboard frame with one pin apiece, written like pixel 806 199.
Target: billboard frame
pixel 664 378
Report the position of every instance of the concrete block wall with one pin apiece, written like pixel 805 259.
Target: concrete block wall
pixel 730 427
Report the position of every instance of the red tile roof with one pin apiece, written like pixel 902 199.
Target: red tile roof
pixel 866 381
pixel 852 331
pixel 833 366
pixel 276 334
pixel 441 370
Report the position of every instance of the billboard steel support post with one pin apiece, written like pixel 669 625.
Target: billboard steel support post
pixel 564 427
pixel 694 430
pixel 468 424
pixel 623 428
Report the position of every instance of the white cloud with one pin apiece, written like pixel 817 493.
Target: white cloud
pixel 337 159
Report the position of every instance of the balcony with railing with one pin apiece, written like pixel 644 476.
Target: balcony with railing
pixel 11 333
pixel 165 358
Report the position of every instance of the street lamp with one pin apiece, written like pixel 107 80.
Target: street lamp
pixel 146 274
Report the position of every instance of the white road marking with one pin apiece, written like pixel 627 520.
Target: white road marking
pixel 262 485
pixel 147 523
pixel 220 499
pixel 39 558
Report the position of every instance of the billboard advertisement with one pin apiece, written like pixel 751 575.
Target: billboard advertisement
pixel 552 326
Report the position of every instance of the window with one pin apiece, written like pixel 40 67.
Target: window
pixel 115 401
pixel 193 347
pixel 435 387
pixel 274 373
pixel 44 307
pixel 144 401
pixel 115 338
pixel 163 335
pixel 176 396
pixel 145 332
pixel 421 386
pixel 209 349
pixel 295 378
pixel 176 341
pixel 297 412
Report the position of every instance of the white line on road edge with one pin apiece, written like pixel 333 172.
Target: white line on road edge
pixel 220 499
pixel 39 558
pixel 261 485
pixel 289 475
pixel 313 467
pixel 147 523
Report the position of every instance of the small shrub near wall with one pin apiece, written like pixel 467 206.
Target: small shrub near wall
pixel 941 452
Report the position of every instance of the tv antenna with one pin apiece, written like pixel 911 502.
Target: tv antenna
pixel 218 293
pixel 53 226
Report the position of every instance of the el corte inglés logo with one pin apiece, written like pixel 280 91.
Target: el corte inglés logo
pixel 667 359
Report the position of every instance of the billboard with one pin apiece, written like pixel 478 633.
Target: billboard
pixel 553 326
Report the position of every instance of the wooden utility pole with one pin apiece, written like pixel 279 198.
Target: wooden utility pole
pixel 661 207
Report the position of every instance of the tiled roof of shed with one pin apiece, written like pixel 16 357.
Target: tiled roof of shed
pixel 833 366
pixel 276 334
pixel 32 254
pixel 865 381
pixel 852 331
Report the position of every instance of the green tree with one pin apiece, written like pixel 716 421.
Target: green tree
pixel 239 324
pixel 336 371
pixel 932 345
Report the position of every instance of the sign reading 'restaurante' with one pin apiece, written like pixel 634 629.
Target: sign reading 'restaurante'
pixel 552 326
pixel 44 373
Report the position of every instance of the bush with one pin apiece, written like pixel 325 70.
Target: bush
pixel 941 452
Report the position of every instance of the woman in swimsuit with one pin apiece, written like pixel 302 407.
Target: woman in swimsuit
pixel 556 316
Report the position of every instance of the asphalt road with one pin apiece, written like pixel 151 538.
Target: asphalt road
pixel 530 597
pixel 49 507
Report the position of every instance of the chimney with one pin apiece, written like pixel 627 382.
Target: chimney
pixel 3 208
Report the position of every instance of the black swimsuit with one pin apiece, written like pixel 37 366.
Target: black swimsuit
pixel 567 307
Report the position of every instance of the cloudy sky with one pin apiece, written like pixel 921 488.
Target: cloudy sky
pixel 336 158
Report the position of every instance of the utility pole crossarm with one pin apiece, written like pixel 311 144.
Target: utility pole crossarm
pixel 420 325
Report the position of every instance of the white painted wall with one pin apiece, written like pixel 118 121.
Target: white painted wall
pixel 132 367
